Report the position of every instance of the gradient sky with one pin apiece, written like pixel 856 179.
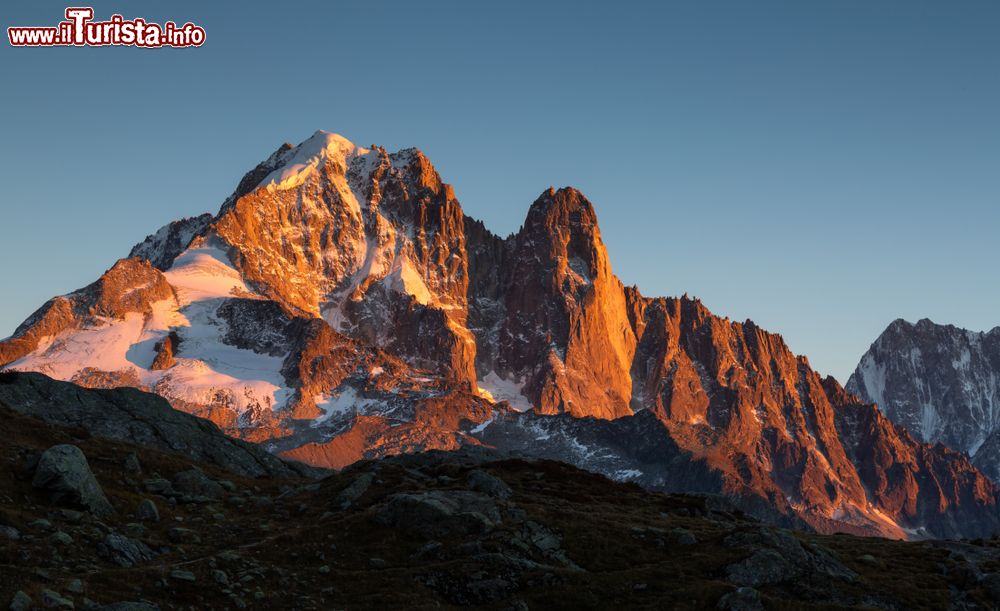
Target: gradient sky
pixel 820 167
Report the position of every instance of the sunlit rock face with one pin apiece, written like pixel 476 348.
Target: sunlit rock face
pixel 359 237
pixel 342 306
pixel 551 312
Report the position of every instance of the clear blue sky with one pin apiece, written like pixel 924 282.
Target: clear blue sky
pixel 820 167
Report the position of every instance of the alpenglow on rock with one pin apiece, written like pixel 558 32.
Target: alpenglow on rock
pixel 939 381
pixel 341 306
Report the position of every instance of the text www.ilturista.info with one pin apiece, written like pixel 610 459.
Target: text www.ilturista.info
pixel 80 30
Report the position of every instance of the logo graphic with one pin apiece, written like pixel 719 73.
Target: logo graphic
pixel 81 30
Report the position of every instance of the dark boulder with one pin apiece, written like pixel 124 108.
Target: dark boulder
pixel 63 473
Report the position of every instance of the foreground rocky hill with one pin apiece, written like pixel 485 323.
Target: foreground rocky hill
pixel 95 523
pixel 940 382
pixel 127 414
pixel 341 306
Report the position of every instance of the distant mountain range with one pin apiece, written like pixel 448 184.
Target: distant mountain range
pixel 341 305
pixel 940 382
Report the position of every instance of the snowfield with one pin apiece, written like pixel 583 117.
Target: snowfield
pixel 208 371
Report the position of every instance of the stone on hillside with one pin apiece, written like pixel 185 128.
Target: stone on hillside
pixel 183 535
pixel 683 536
pixel 123 551
pixel 194 482
pixel 64 474
pixel 159 485
pixel 10 532
pixel 763 567
pixel 147 511
pixel 132 464
pixel 779 556
pixel 741 599
pixel 541 537
pixel 52 600
pixel 180 575
pixel 481 481
pixel 354 490
pixel 71 515
pixel 437 513
pixel 20 602
pixel 991 583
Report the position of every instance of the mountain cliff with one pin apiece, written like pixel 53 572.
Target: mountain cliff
pixel 342 306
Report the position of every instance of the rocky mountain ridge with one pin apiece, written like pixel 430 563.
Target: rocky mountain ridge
pixel 342 306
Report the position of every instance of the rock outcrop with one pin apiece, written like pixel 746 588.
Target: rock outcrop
pixel 130 415
pixel 162 247
pixel 555 312
pixel 64 474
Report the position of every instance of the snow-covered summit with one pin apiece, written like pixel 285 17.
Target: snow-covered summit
pixel 298 163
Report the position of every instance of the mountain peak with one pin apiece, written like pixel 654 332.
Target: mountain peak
pixel 937 380
pixel 565 196
pixel 329 139
pixel 293 166
pixel 564 207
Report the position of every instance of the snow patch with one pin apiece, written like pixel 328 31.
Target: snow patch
pixel 481 427
pixel 964 360
pixel 579 269
pixel 346 401
pixel 873 379
pixel 497 389
pixel 103 346
pixel 204 272
pixel 207 370
pixel 405 279
pixel 206 364
pixel 627 474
